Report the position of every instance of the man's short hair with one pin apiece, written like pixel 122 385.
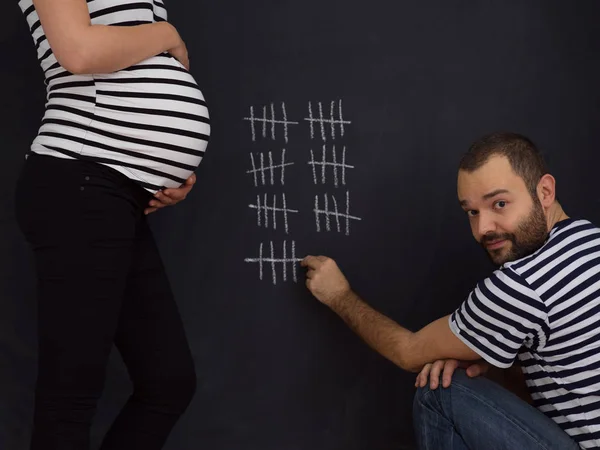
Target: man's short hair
pixel 524 157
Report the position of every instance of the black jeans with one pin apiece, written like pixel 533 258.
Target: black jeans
pixel 100 280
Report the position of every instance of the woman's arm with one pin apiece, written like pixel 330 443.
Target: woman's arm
pixel 81 47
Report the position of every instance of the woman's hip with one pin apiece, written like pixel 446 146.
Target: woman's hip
pixel 67 199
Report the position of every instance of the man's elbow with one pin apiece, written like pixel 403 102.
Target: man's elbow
pixel 409 354
pixel 411 366
pixel 405 362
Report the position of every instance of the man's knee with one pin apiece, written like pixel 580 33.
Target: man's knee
pixel 425 397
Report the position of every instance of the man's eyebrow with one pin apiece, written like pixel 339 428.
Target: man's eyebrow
pixel 487 196
pixel 494 193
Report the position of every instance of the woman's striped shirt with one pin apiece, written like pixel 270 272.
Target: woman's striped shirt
pixel 149 121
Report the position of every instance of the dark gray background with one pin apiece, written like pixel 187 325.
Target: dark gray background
pixel 419 81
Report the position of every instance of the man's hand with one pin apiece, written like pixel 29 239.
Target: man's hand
pixel 171 196
pixel 408 350
pixel 447 367
pixel 325 280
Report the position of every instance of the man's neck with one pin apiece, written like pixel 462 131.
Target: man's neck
pixel 555 215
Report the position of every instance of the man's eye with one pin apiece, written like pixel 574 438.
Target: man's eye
pixel 501 204
pixel 471 213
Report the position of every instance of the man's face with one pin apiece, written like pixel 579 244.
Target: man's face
pixel 504 218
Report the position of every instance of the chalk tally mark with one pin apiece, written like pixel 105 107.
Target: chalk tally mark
pixel 333 163
pixel 264 171
pixel 264 210
pixel 333 121
pixel 266 125
pixel 282 263
pixel 333 214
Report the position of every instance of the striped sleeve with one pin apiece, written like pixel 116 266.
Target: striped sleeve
pixel 501 315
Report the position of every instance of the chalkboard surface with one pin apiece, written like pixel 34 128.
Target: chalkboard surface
pixel 337 130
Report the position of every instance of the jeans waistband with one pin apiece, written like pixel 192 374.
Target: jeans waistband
pixel 63 171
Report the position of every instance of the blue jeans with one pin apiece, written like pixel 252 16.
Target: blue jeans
pixel 476 413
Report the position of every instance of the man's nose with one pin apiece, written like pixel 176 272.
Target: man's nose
pixel 485 225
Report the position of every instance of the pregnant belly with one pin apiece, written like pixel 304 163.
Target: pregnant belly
pixel 155 115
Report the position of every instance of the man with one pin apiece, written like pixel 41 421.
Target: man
pixel 542 305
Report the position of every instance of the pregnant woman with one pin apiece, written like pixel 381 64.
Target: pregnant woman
pixel 124 128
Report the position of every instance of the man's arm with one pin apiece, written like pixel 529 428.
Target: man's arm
pixel 408 350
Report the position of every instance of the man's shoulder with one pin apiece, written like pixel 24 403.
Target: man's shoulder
pixel 569 238
pixel 506 281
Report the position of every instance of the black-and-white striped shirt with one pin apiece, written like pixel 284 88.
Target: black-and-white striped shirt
pixel 545 309
pixel 149 121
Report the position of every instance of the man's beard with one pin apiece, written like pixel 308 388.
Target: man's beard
pixel 530 235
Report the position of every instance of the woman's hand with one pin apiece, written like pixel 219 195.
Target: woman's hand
pixel 180 52
pixel 171 196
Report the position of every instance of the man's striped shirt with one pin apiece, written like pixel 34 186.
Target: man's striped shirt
pixel 545 309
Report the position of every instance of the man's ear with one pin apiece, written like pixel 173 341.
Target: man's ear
pixel 546 190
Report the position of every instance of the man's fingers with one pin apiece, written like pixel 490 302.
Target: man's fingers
pixel 473 370
pixel 443 370
pixel 449 368
pixel 434 375
pixel 149 210
pixel 418 377
pixel 314 262
pixel 306 261
pixel 310 273
pixel 311 262
pixel 477 369
pixel 423 375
